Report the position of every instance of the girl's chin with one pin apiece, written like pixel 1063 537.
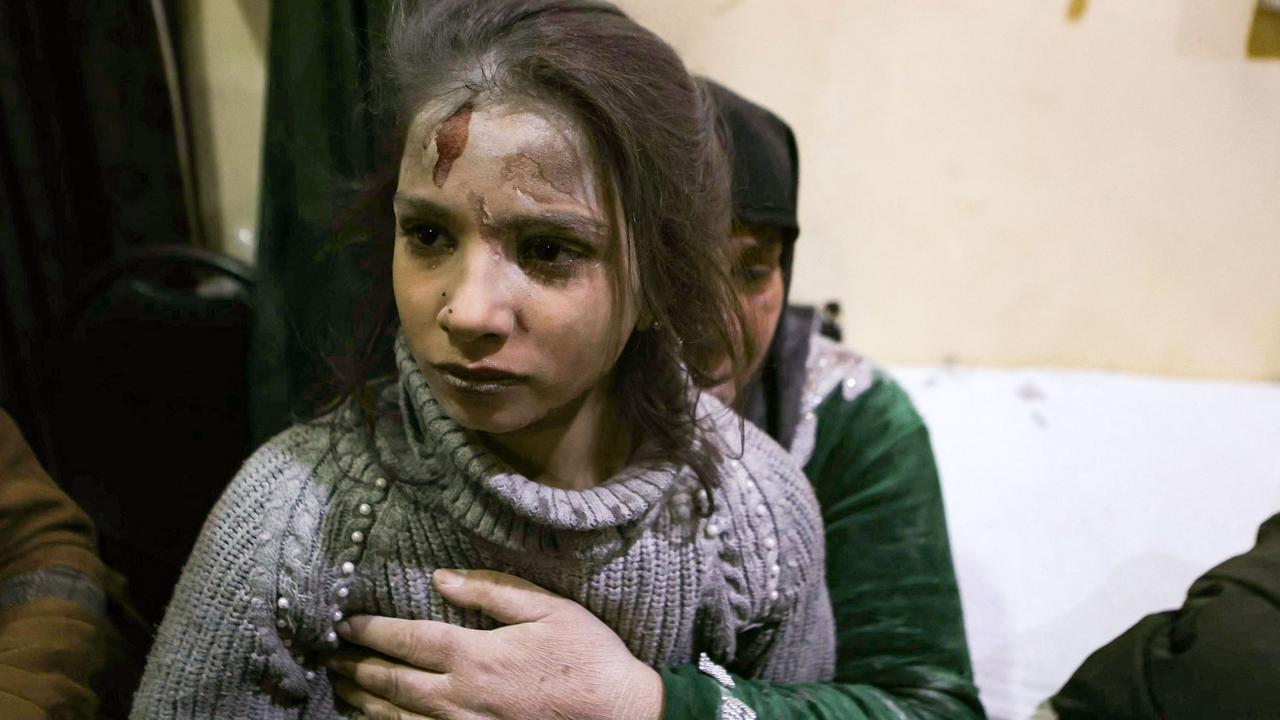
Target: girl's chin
pixel 486 417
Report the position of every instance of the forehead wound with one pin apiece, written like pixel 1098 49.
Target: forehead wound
pixel 451 141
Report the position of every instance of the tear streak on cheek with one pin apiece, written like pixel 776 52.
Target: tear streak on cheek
pixel 451 141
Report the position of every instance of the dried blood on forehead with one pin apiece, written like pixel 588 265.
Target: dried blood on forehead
pixel 451 140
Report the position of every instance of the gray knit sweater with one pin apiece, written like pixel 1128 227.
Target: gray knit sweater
pixel 322 523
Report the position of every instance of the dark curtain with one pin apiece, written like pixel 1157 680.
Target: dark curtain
pixel 324 137
pixel 88 169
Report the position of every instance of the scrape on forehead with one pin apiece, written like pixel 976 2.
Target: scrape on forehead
pixel 560 171
pixel 451 141
pixel 447 132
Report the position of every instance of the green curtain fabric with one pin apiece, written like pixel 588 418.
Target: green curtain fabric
pixel 323 138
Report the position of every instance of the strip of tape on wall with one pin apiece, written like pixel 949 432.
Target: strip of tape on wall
pixel 1264 34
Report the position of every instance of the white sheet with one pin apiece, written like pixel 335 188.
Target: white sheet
pixel 1079 502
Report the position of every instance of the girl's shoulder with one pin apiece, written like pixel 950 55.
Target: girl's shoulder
pixel 759 479
pixel 275 519
pixel 297 455
pixel 765 540
pixel 289 454
pixel 284 489
pixel 329 446
pixel 765 518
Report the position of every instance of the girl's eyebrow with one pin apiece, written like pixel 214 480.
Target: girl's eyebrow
pixel 415 205
pixel 578 224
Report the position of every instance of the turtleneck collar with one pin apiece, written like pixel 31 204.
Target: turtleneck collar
pixel 488 496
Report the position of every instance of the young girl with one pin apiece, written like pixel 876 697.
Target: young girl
pixel 561 283
pixel 900 640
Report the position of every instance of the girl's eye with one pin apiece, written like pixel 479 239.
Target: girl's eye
pixel 427 235
pixel 548 251
pixel 428 239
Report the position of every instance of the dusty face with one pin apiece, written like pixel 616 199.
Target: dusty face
pixel 502 268
pixel 757 275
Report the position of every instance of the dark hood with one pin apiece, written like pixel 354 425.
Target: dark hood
pixel 766 164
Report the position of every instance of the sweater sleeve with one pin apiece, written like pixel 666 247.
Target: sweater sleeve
pixel 55 639
pixel 216 651
pixel 901 649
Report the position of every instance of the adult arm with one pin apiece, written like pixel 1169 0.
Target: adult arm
pixel 1216 656
pixel 55 639
pixel 900 638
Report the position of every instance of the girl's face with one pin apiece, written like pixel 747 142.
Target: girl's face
pixel 502 271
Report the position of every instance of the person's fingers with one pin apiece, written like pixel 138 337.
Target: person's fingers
pixel 402 685
pixel 371 706
pixel 505 598
pixel 424 644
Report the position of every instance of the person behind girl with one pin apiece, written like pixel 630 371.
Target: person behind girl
pixel 560 281
pixel 901 644
pixel 902 652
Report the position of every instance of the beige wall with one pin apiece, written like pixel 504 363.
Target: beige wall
pixel 984 180
pixel 224 65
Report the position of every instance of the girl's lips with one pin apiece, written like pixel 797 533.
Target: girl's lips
pixel 478 380
pixel 479 373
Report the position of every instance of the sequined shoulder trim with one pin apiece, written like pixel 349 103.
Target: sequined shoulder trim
pixel 829 364
pixel 731 708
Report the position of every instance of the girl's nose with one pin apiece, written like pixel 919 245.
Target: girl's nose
pixel 478 307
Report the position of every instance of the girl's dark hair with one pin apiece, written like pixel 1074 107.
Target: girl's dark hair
pixel 656 135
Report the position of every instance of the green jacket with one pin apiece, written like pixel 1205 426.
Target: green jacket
pixel 899 628
pixel 1217 656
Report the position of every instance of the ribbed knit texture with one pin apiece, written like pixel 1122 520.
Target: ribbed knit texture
pixel 319 524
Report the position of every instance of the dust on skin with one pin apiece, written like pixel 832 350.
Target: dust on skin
pixel 484 218
pixel 526 173
pixel 539 178
pixel 548 179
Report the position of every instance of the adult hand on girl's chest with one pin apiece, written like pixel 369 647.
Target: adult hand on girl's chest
pixel 553 658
